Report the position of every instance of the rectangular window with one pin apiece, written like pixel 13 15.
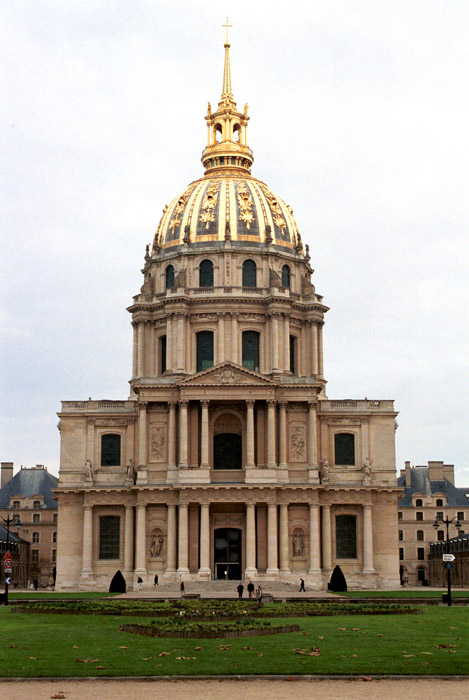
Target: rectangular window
pixel 420 553
pixel 35 556
pixel 419 516
pixel 36 518
pixel 439 515
pixel 420 536
pixel 163 353
pixel 344 449
pixel 54 556
pixel 35 537
pixel 401 553
pixel 54 518
pixel 110 450
pixel 292 354
pixel 346 536
pixel 16 504
pixel 16 519
pixel 440 536
pixel 36 505
pixel 54 537
pixel 109 537
pixel 461 515
pixel 401 535
pixel 399 515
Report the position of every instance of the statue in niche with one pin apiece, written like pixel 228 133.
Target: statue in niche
pixel 88 470
pixel 297 441
pixel 367 464
pixel 324 470
pixel 131 471
pixel 156 545
pixel 298 545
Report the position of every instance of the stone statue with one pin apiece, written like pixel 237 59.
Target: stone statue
pixel 324 470
pixel 131 471
pixel 298 545
pixel 367 464
pixel 156 546
pixel 246 107
pixel 88 470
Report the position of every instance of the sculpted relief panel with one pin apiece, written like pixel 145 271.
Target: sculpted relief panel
pixel 297 442
pixel 158 442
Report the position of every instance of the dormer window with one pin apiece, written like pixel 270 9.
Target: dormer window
pixel 169 277
pixel 37 505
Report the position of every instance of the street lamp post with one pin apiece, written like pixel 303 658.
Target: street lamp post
pixel 7 522
pixel 446 521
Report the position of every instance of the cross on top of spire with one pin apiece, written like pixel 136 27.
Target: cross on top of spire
pixel 227 26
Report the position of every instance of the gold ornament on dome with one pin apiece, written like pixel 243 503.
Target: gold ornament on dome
pixel 275 208
pixel 179 209
pixel 209 203
pixel 245 205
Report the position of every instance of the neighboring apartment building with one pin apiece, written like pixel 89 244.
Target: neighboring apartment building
pixel 28 498
pixel 429 493
pixel 19 550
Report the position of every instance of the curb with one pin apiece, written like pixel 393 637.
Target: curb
pixel 251 677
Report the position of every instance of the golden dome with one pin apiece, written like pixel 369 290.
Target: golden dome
pixel 227 203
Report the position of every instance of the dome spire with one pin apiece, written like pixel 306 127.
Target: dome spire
pixel 227 89
pixel 227 148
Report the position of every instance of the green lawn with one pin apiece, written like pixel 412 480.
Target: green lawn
pixel 436 642
pixel 403 593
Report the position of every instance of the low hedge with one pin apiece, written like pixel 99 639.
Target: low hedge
pixel 191 629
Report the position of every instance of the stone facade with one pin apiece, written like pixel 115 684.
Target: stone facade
pixel 429 492
pixel 228 460
pixel 28 497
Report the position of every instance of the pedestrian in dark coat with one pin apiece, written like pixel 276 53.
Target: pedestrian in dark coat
pixel 250 588
pixel 302 586
pixel 240 590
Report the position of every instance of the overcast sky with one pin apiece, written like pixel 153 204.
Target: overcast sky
pixel 359 120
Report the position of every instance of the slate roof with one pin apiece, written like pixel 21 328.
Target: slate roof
pixel 13 537
pixel 28 483
pixel 420 483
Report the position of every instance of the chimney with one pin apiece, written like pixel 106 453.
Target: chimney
pixel 435 471
pixel 448 472
pixel 7 473
pixel 407 474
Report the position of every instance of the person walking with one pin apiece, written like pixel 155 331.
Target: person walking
pixel 302 586
pixel 240 590
pixel 155 580
pixel 139 583
pixel 250 588
pixel 182 589
pixel 259 594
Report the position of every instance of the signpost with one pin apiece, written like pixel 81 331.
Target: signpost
pixel 448 557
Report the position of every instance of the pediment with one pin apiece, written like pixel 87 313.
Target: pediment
pixel 227 374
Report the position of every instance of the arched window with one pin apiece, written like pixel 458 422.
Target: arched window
pixel 162 354
pixel 344 444
pixel 206 273
pixel 292 354
pixel 286 276
pixel 439 503
pixel 346 536
pixel 169 277
pixel 204 350
pixel 249 274
pixel 251 350
pixel 110 450
pixel 418 503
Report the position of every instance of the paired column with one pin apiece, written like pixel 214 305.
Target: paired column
pixel 142 434
pixel 87 540
pixel 135 350
pixel 129 539
pixel 172 436
pixel 234 337
pixel 274 341
pixel 183 434
pixel 314 541
pixel 314 348
pixel 169 343
pixel 320 350
pixel 271 438
pixel 312 435
pixel 171 542
pixel 180 342
pixel 221 338
pixel 250 434
pixel 283 435
pixel 367 540
pixel 286 343
pixel 183 567
pixel 141 531
pixel 284 558
pixel 250 540
pixel 204 435
pixel 204 570
pixel 272 558
pixel 326 538
pixel 141 349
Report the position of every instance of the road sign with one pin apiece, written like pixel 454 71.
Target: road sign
pixel 448 557
pixel 8 580
pixel 7 555
pixel 448 566
pixel 8 565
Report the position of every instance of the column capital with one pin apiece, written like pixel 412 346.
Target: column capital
pixel 234 314
pixel 250 402
pixel 312 404
pixel 143 404
pixel 205 403
pixel 271 403
pixel 172 404
pixel 221 314
pixel 283 403
pixel 184 402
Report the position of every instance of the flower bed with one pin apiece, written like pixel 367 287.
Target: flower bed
pixel 190 629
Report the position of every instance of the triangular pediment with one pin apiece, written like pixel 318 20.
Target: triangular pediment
pixel 227 374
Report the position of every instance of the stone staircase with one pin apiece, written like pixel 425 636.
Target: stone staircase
pixel 223 589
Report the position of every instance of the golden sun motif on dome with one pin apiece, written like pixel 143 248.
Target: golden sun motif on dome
pixel 209 203
pixel 245 205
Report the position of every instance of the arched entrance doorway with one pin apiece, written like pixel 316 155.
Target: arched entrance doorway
pixel 227 557
pixel 227 442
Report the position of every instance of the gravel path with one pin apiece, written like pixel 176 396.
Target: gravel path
pixel 421 689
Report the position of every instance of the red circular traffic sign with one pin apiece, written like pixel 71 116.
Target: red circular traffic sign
pixel 8 564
